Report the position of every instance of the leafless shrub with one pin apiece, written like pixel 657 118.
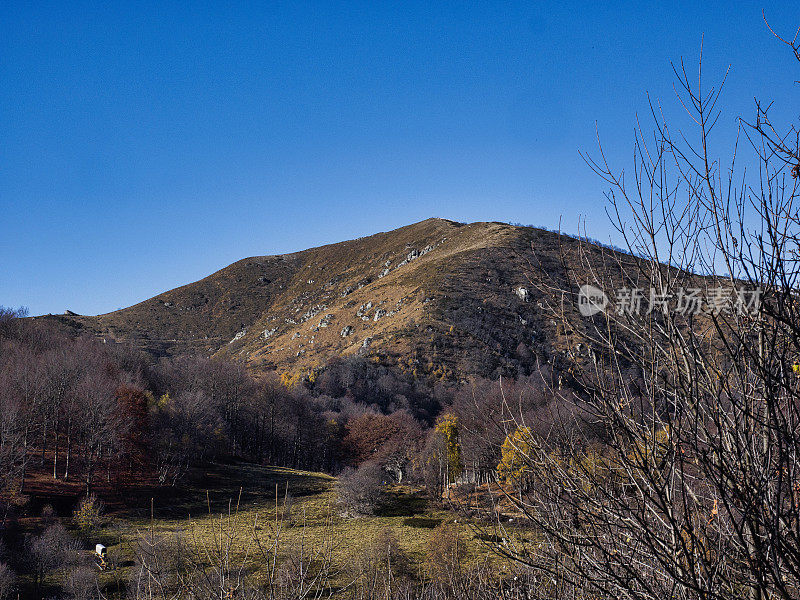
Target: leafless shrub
pixel 445 554
pixel 53 549
pixel 382 567
pixel 7 581
pixel 80 583
pixel 361 490
pixel 158 564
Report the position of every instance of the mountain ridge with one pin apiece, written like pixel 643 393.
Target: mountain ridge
pixel 436 298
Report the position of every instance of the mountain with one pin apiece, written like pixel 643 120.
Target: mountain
pixel 437 298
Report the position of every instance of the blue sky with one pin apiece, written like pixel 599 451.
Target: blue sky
pixel 144 146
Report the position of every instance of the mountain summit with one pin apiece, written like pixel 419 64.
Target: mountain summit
pixel 436 298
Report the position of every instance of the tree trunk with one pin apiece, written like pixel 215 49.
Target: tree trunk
pixel 69 448
pixel 55 455
pixel 24 461
pixel 44 441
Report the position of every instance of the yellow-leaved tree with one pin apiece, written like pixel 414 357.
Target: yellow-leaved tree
pixel 447 426
pixel 514 467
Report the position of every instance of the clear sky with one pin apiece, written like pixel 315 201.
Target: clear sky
pixel 144 146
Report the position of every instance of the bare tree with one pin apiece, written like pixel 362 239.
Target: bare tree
pixel 102 424
pixel 21 394
pixel 61 370
pixel 12 447
pixel 692 376
pixel 184 430
pixel 9 324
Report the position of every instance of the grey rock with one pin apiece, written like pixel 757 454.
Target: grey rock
pixel 365 346
pixel 312 312
pixel 238 336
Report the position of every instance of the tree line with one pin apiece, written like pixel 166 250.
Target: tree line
pixel 77 409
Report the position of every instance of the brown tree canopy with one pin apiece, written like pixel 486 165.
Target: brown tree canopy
pixel 379 438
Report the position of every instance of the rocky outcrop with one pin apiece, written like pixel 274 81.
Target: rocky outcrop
pixel 365 346
pixel 238 336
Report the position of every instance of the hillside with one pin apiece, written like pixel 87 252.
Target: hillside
pixel 434 298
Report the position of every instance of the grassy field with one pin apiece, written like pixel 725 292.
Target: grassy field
pixel 228 506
